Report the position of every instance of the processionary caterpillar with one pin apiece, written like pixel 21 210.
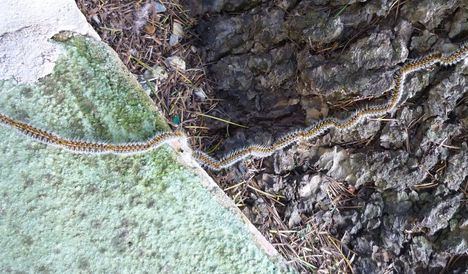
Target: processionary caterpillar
pixel 256 150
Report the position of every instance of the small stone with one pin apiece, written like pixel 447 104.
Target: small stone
pixel 295 218
pixel 200 94
pixel 177 34
pixel 173 40
pixel 159 8
pixel 157 73
pixel 177 29
pixel 310 187
pixel 177 63
pixel 96 19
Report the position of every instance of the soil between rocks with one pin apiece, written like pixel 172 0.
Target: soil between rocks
pixel 389 196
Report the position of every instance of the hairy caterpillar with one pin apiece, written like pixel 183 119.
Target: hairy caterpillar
pixel 256 150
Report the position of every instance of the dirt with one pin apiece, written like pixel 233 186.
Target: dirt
pixel 388 196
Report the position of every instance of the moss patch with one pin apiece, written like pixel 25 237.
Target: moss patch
pixel 106 213
pixel 89 95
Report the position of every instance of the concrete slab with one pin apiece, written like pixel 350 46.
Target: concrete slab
pixel 63 212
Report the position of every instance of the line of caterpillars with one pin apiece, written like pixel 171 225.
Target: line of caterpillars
pixel 256 150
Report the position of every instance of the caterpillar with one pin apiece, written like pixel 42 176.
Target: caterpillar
pixel 86 147
pixel 255 150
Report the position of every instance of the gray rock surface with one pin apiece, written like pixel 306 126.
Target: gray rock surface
pixel 280 65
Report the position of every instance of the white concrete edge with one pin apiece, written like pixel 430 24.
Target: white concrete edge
pixel 26 51
pixel 184 153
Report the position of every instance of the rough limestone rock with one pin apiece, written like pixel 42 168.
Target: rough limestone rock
pixel 156 212
pixel 284 64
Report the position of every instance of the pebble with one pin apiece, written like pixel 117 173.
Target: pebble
pixel 176 62
pixel 160 8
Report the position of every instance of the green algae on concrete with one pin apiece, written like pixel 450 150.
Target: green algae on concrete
pixel 62 212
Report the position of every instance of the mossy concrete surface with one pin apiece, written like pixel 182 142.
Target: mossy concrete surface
pixel 64 212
